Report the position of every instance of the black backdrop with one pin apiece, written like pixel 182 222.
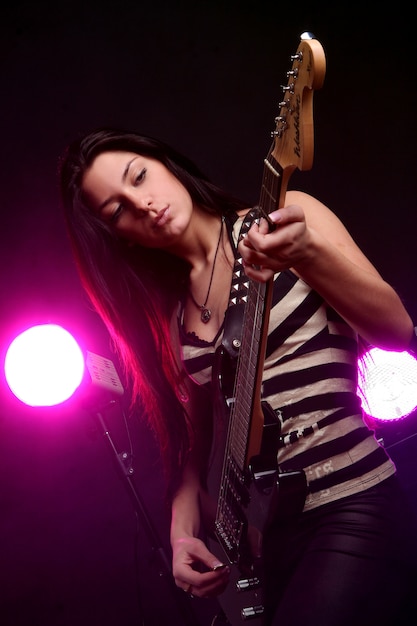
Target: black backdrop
pixel 205 77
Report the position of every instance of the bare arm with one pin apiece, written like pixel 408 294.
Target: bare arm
pixel 193 564
pixel 311 240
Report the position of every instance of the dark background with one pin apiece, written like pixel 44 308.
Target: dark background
pixel 205 77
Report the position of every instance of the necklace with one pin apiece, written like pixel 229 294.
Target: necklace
pixel 205 312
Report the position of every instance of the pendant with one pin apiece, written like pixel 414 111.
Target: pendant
pixel 205 315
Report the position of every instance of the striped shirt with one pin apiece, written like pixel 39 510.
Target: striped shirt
pixel 310 380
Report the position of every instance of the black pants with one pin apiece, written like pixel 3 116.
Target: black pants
pixel 349 563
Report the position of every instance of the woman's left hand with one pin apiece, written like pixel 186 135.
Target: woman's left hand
pixel 265 252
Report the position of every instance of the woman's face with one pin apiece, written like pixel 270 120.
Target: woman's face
pixel 139 198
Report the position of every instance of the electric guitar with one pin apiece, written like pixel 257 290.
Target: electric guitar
pixel 250 490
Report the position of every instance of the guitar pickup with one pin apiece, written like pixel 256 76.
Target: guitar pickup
pixel 250 612
pixel 246 584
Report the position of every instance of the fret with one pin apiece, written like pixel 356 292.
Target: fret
pixel 272 168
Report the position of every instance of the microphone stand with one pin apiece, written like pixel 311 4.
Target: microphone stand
pixel 104 387
pixel 123 462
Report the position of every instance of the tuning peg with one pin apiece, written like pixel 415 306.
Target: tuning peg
pixel 281 122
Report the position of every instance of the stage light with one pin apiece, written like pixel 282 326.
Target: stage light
pixel 44 365
pixel 388 384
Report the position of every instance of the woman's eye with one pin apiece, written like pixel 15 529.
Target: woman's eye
pixel 139 178
pixel 116 214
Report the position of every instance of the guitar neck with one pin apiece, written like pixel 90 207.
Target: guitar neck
pixel 248 457
pixel 255 333
pixel 292 148
pixel 273 191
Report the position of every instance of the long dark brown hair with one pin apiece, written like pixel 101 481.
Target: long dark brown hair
pixel 135 290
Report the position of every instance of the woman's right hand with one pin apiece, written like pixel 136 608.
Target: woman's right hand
pixel 196 570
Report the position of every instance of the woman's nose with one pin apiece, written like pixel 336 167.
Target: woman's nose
pixel 142 203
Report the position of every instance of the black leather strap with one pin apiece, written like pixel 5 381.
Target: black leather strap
pixel 238 294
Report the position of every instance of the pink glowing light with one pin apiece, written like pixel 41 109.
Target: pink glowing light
pixel 44 365
pixel 388 384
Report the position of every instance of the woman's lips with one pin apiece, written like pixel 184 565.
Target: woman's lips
pixel 162 217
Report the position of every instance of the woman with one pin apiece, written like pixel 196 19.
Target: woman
pixel 155 243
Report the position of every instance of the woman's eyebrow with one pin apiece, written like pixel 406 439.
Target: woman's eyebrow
pixel 126 170
pixel 124 176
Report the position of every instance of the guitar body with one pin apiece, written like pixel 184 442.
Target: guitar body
pixel 246 491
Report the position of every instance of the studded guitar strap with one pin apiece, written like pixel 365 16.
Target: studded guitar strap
pixel 238 294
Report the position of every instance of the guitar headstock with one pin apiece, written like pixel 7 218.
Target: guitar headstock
pixel 293 145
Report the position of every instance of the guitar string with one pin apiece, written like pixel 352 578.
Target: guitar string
pixel 229 471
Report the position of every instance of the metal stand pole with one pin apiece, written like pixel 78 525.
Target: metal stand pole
pixel 164 564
